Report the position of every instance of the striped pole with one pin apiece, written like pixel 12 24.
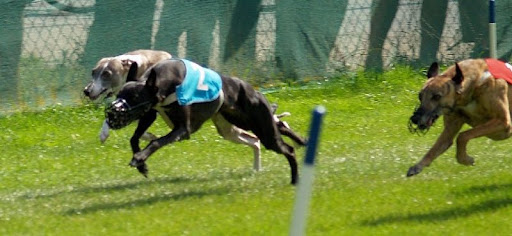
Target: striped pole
pixel 492 29
pixel 304 187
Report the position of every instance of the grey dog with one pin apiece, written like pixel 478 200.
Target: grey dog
pixel 109 75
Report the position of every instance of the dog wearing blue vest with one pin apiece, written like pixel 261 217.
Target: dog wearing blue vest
pixel 186 95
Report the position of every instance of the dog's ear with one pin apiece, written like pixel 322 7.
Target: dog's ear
pixel 151 81
pixel 126 63
pixel 132 73
pixel 458 78
pixel 433 70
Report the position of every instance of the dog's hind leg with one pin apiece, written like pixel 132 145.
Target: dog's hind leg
pixel 277 144
pixel 234 134
pixel 289 153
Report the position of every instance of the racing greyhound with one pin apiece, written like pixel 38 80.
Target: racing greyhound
pixel 231 103
pixel 109 75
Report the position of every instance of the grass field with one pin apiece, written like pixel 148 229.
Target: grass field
pixel 57 179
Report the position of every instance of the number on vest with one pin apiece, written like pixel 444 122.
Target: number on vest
pixel 200 85
pixel 508 66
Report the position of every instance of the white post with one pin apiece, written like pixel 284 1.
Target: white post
pixel 305 185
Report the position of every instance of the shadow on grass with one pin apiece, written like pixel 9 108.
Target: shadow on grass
pixel 452 213
pixel 163 197
pixel 486 188
pixel 142 182
pixel 109 187
pixel 443 215
pixel 146 201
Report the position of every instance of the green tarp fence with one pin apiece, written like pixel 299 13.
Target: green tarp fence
pixel 47 48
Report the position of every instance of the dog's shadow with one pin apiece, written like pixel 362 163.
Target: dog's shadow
pixel 140 202
pixel 109 187
pixel 452 213
pixel 141 184
pixel 162 196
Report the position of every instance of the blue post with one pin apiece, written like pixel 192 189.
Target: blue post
pixel 314 132
pixel 492 11
pixel 305 184
pixel 492 30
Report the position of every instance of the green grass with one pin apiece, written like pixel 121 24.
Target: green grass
pixel 57 179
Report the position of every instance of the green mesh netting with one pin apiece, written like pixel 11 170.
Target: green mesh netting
pixel 47 48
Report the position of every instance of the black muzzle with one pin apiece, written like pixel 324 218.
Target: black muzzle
pixel 414 122
pixel 119 113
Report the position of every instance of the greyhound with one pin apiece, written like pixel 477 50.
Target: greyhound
pixel 109 75
pixel 232 104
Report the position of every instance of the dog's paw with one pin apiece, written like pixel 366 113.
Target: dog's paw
pixel 294 181
pixel 136 163
pixel 103 136
pixel 104 132
pixel 414 170
pixel 140 165
pixel 467 161
pixel 143 169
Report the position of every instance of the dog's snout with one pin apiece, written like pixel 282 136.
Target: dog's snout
pixel 415 119
pixel 87 90
pixel 416 115
pixel 422 126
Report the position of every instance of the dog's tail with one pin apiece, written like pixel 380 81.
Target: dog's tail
pixel 284 127
pixel 274 106
pixel 284 114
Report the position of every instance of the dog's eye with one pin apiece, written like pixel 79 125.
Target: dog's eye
pixel 436 97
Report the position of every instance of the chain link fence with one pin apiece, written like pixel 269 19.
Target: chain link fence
pixel 47 48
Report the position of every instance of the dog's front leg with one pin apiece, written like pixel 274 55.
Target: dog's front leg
pixel 452 126
pixel 139 158
pixel 104 132
pixel 144 123
pixel 500 127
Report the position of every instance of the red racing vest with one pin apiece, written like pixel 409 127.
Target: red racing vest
pixel 499 69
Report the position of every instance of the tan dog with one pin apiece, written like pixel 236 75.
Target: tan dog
pixel 471 92
pixel 109 74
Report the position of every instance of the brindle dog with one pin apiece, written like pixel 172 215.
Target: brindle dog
pixel 466 93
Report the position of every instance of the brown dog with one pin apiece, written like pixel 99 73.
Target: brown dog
pixel 473 92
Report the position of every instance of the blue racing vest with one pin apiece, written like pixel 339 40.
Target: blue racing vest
pixel 200 85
